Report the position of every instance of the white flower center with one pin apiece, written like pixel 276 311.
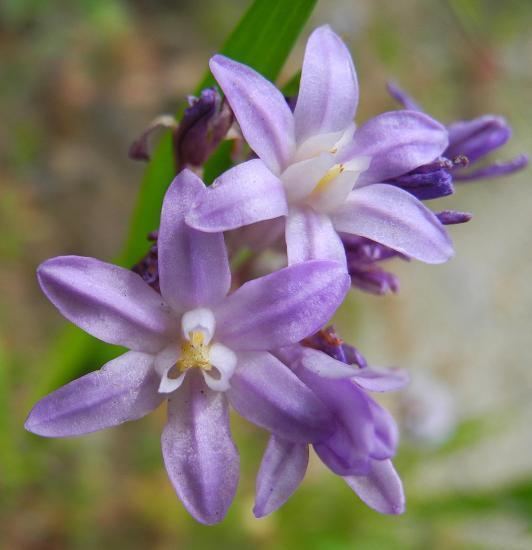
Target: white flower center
pixel 316 179
pixel 195 349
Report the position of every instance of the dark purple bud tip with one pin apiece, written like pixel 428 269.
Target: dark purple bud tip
pixel 478 137
pixel 140 148
pixel 328 341
pixel 451 217
pixel 148 267
pixel 494 170
pixel 427 182
pixel 373 280
pixel 204 125
pixel 360 250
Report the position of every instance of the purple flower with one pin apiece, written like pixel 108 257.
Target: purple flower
pixel 205 123
pixel 469 142
pixel 362 440
pixel 193 345
pixel 316 170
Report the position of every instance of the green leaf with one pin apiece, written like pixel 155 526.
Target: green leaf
pixel 263 39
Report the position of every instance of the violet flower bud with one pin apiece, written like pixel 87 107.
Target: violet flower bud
pixel 451 217
pixel 140 148
pixel 373 280
pixel 204 125
pixel 430 181
pixel 328 341
pixel 148 267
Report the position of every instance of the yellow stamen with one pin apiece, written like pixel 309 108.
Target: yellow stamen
pixel 194 353
pixel 331 174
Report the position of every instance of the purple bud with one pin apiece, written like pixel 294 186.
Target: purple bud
pixel 204 125
pixel 140 148
pixel 494 170
pixel 373 280
pixel 451 217
pixel 360 250
pixel 328 341
pixel 402 97
pixel 427 182
pixel 478 137
pixel 148 267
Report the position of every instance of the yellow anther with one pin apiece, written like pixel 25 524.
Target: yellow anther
pixel 331 174
pixel 194 353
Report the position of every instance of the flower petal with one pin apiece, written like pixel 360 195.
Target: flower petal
pixel 386 432
pixel 396 142
pixel 328 93
pixel 199 454
pixel 123 389
pixel 260 109
pixel 245 194
pixel 325 366
pixel 348 449
pixel 395 218
pixel 312 236
pixel 381 489
pixel 188 258
pixel 267 393
pixel 380 379
pixel 107 301
pixel 283 307
pixel 281 471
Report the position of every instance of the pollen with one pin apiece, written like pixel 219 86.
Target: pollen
pixel 329 176
pixel 194 353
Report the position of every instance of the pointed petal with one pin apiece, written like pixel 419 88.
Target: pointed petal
pixel 107 301
pixel 245 194
pixel 281 471
pixel 396 142
pixel 283 307
pixel 188 258
pixel 312 236
pixel 395 218
pixel 386 432
pixel 325 366
pixel 261 110
pixel 348 449
pixel 328 93
pixel 123 389
pixel 381 489
pixel 267 393
pixel 199 454
pixel 380 379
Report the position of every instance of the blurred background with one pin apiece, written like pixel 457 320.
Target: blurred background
pixel 79 80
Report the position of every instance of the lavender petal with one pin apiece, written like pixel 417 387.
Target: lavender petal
pixel 267 393
pixel 188 258
pixel 310 235
pixel 281 471
pixel 109 302
pixel 328 93
pixel 245 194
pixel 260 109
pixel 381 489
pixel 394 218
pixel 283 307
pixel 396 142
pixel 123 389
pixel 199 454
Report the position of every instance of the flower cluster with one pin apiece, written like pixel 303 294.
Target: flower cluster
pixel 204 335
